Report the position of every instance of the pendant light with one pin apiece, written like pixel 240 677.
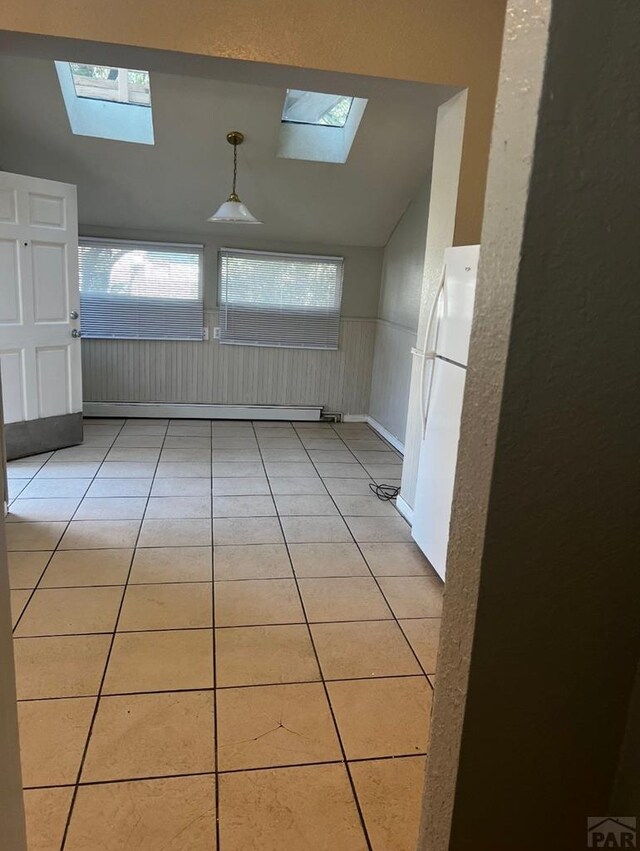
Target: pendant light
pixel 233 211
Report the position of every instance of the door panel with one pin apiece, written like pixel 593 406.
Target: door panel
pixel 41 366
pixel 54 384
pixel 8 205
pixel 47 210
pixel 50 282
pixel 13 382
pixel 9 275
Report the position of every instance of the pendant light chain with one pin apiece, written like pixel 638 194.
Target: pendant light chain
pixel 233 210
pixel 235 167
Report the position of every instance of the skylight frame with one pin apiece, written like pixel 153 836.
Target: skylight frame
pixel 318 123
pixel 105 119
pixel 321 142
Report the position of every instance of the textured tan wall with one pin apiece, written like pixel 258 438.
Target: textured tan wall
pixel 454 42
pixel 12 827
pixel 540 633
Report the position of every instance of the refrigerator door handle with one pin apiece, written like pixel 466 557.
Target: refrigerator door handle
pixel 425 408
pixel 429 355
pixel 434 308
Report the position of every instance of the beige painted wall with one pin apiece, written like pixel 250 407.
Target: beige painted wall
pixel 11 805
pixel 398 312
pixel 452 42
pixel 12 827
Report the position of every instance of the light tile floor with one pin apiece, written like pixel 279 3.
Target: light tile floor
pixel 223 639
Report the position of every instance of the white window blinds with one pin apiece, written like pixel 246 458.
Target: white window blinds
pixel 269 299
pixel 140 290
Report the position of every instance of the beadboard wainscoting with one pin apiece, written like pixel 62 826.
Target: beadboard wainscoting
pixel 169 371
pixel 391 376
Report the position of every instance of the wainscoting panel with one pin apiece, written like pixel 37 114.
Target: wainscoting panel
pixel 391 377
pixel 169 371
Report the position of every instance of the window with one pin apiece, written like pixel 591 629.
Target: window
pixel 302 107
pixel 269 299
pixel 106 102
pixel 102 82
pixel 140 290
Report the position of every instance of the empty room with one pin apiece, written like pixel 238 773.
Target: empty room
pixel 234 327
pixel 319 425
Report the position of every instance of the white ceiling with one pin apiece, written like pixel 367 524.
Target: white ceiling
pixel 174 185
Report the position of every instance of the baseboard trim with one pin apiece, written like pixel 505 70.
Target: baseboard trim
pixel 390 438
pixel 405 509
pixel 202 411
pixel 31 437
pixel 355 418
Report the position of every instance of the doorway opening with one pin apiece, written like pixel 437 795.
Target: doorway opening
pixel 229 567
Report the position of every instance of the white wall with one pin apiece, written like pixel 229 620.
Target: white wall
pixel 399 307
pixel 147 371
pixel 443 197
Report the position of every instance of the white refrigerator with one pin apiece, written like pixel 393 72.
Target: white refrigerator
pixel 444 367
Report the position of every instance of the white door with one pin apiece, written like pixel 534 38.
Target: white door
pixel 455 310
pixel 437 465
pixel 39 299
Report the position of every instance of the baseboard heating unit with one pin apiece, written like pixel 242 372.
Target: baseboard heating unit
pixel 202 411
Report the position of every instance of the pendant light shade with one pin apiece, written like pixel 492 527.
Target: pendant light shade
pixel 233 211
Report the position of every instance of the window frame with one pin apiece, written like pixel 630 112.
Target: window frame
pixel 122 89
pixel 140 244
pixel 220 305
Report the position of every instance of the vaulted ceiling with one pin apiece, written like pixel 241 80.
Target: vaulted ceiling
pixel 174 185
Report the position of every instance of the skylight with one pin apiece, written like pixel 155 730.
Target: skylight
pixel 103 82
pixel 319 127
pixel 316 108
pixel 107 102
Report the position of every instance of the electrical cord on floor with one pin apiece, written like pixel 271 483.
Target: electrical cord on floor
pixel 384 492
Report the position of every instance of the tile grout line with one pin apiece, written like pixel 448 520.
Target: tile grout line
pixel 206 581
pixel 385 757
pixel 213 642
pixel 278 516
pixel 396 619
pixel 106 666
pixel 195 516
pixel 375 578
pixel 345 761
pixel 36 587
pixel 196 628
pixel 224 688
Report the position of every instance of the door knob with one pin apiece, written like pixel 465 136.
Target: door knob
pixel 76 333
pixel 73 314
